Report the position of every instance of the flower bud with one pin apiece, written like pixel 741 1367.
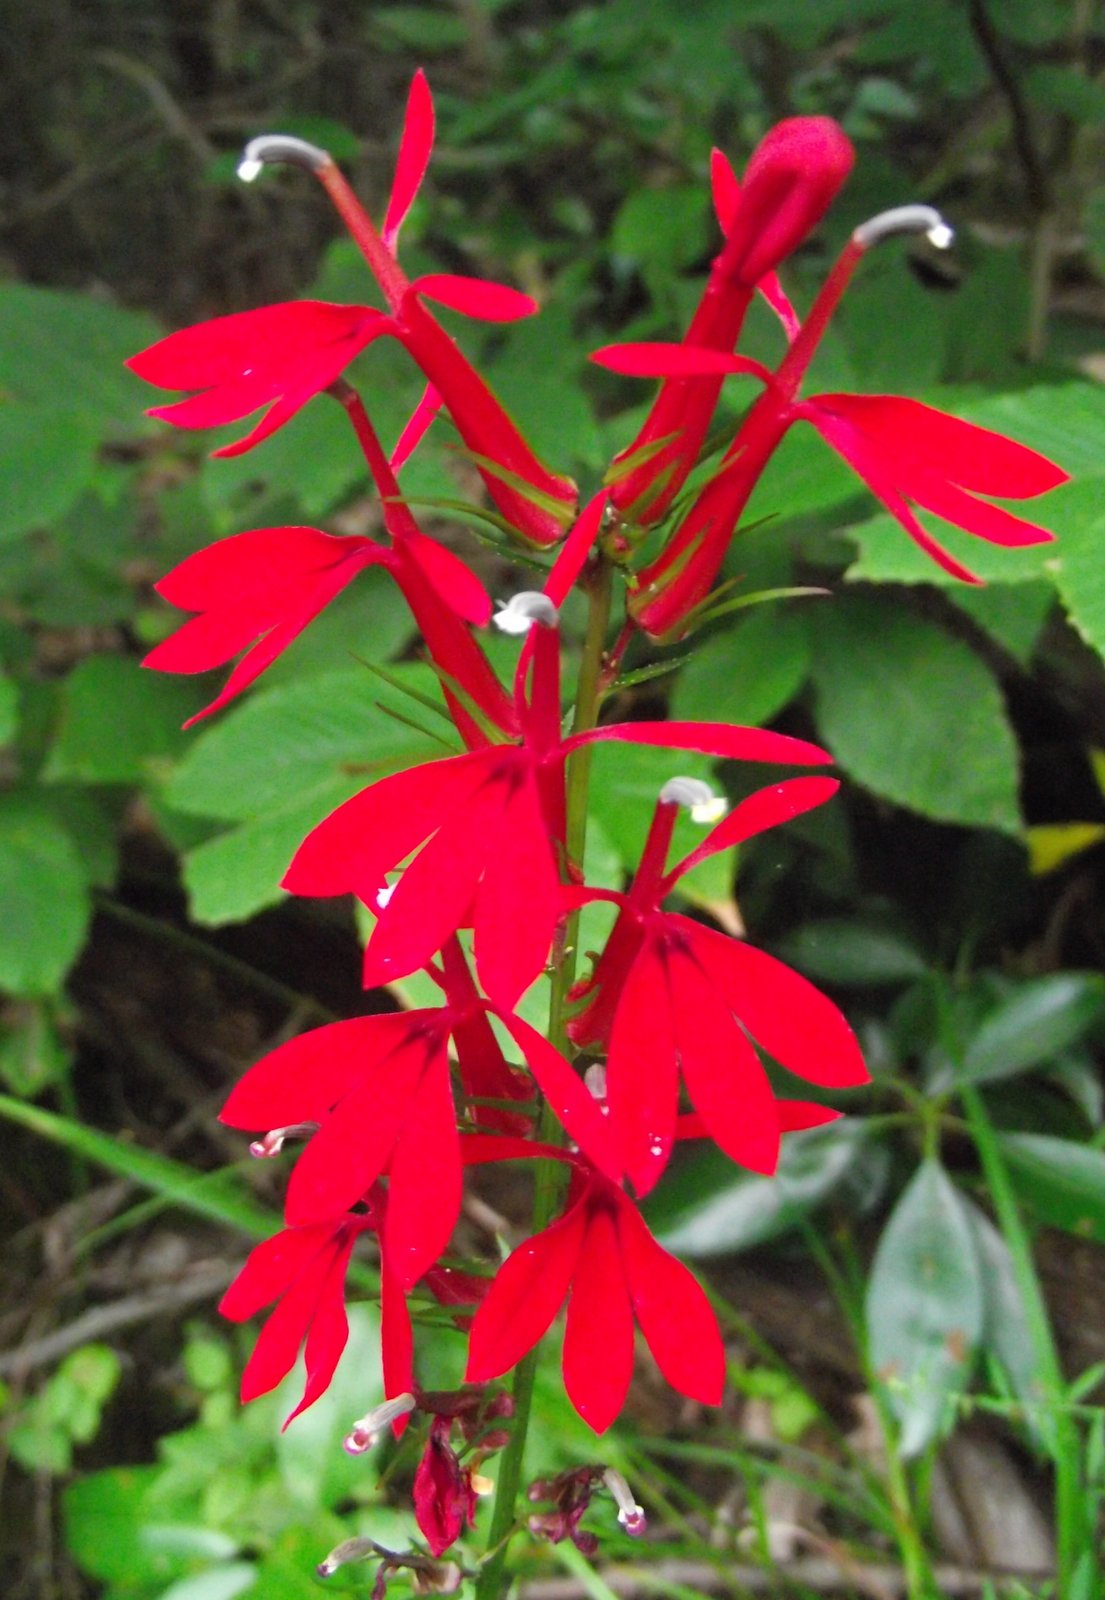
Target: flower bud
pixel 791 180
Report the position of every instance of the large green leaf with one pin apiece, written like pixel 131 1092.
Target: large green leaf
pixel 119 722
pixel 1006 1332
pixel 1063 1182
pixel 66 350
pixel 44 891
pixel 747 673
pixel 913 714
pixel 284 741
pixel 47 460
pixel 710 1207
pixel 1035 1023
pixel 925 1306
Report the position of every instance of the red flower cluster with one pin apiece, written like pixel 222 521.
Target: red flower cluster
pixel 472 864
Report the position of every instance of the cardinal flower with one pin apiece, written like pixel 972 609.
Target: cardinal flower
pixel 902 450
pixel 601 1254
pixel 791 180
pixel 281 356
pixel 488 829
pixel 675 1000
pixel 303 1269
pixel 378 1088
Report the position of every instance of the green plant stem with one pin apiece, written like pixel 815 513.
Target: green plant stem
pixel 493 1580
pixel 1073 1536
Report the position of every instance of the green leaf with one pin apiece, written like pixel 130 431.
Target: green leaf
pixel 1063 1182
pixel 661 227
pixel 1063 89
pixel 1075 563
pixel 1034 1024
pixel 287 740
pixel 44 891
pixel 66 351
pixel 709 1207
pixel 33 1054
pixel 215 1195
pixel 1011 613
pixel 47 460
pixel 315 1470
pixel 846 950
pixel 748 673
pixel 913 714
pixel 421 28
pixel 109 1535
pixel 223 1582
pixel 1006 1333
pixel 119 722
pixel 925 1306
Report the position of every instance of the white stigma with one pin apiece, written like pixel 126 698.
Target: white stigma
pixel 518 614
pixel 696 797
pixel 348 1550
pixel 268 148
pixel 630 1514
pixel 367 1429
pixel 594 1080
pixel 905 219
pixel 271 1143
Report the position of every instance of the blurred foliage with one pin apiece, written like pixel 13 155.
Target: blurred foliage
pixel 952 898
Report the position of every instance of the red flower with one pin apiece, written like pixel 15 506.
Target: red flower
pixel 379 1089
pixel 304 1270
pixel 791 180
pixel 602 1254
pixel 488 827
pixel 281 356
pixel 676 1000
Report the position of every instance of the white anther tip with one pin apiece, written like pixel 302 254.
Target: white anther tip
pixel 248 171
pixel 518 614
pixel 696 797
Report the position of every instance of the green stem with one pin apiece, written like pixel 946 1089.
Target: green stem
pixel 1074 1536
pixel 493 1580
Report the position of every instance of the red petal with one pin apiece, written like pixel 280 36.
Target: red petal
pixel 478 1148
pixel 777 298
pixel 725 189
pixel 710 739
pixel 642 1078
pixel 414 429
pixel 675 1316
pixel 767 808
pixel 414 156
pixel 301 1080
pixel 268 342
pixel 328 1333
pixel 659 360
pixel 266 565
pixel 576 1108
pixel 354 848
pixel 274 1354
pixel 472 297
pixel 985 521
pixel 796 1115
pixel 528 1290
pixel 576 548
pixel 353 1146
pixel 424 1178
pixel 271 1268
pixel 794 1022
pixel 598 1338
pixel 434 894
pixel 847 443
pixel 457 585
pixel 722 1072
pixel 518 902
pixel 975 458
pixel 207 641
pixel 396 1341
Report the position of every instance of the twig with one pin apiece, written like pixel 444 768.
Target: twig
pixel 202 1284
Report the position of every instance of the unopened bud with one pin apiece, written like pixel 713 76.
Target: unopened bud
pixel 518 614
pixel 904 219
pixel 269 148
pixel 630 1514
pixel 367 1429
pixel 271 1143
pixel 695 796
